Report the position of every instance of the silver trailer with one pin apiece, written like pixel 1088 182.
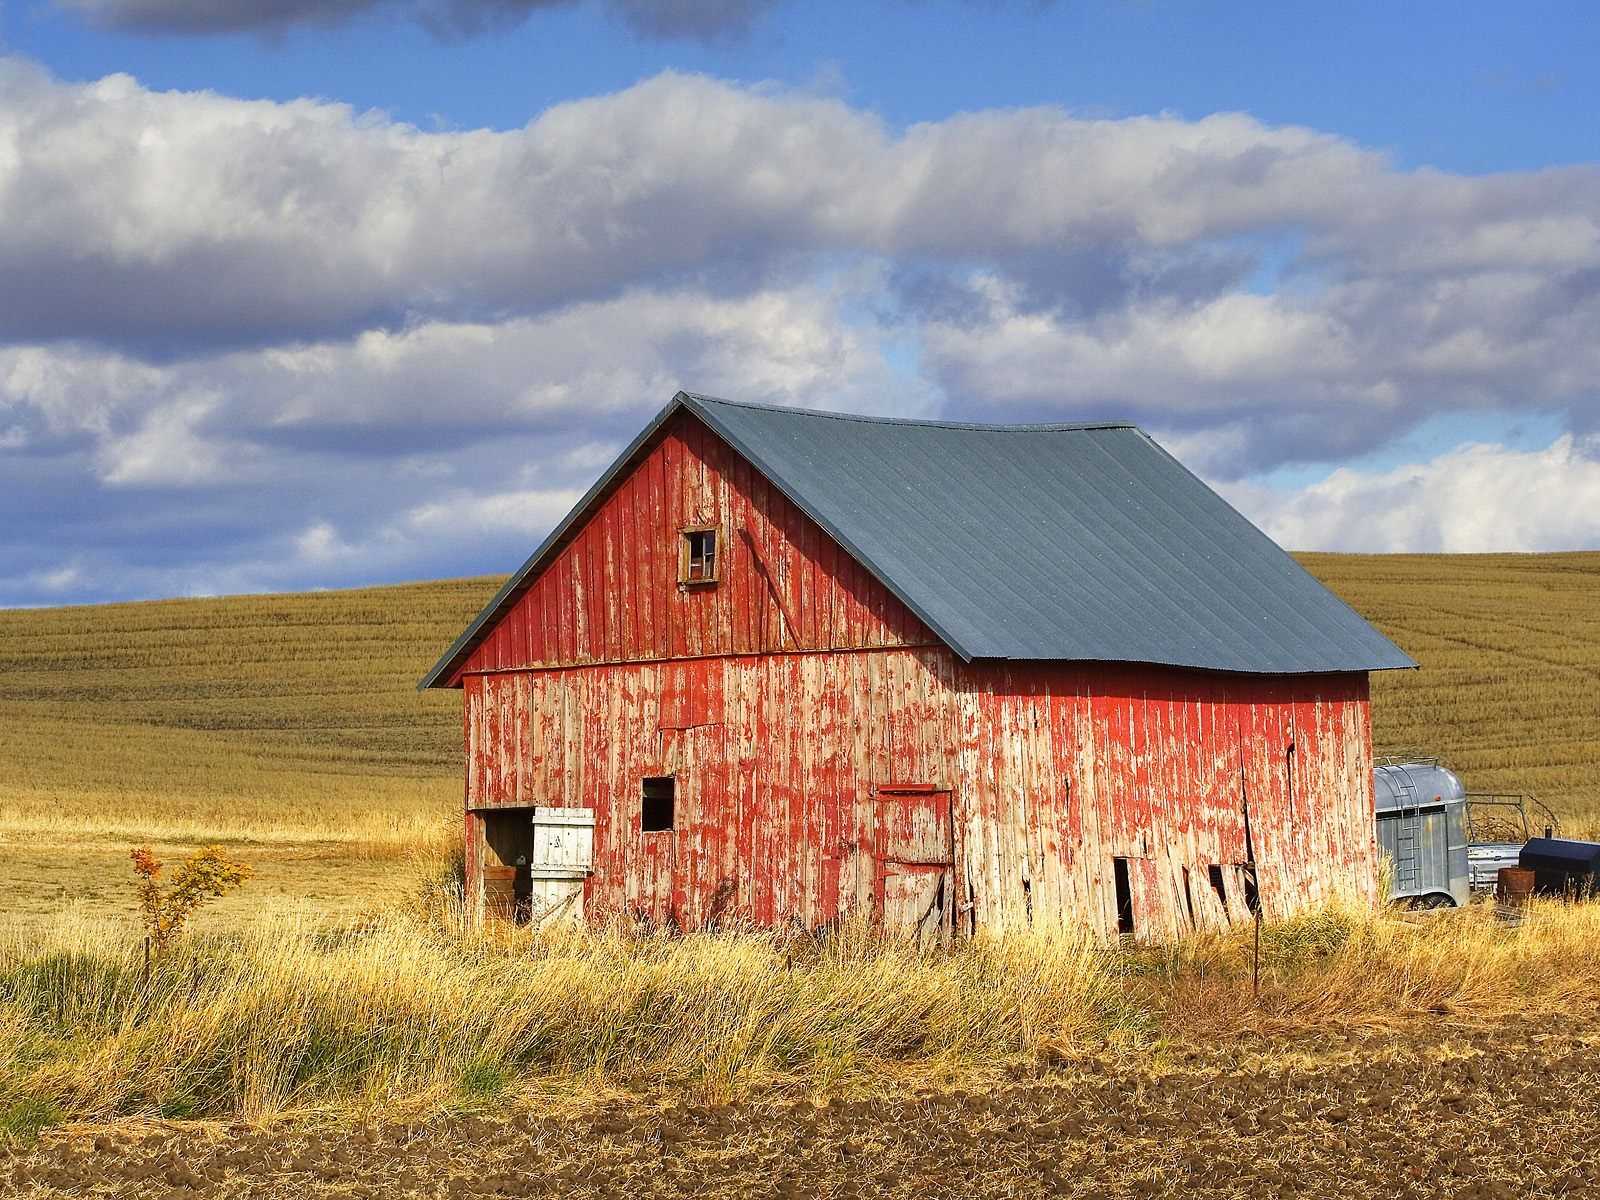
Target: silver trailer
pixel 1443 843
pixel 1423 830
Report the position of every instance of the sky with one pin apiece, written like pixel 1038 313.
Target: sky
pixel 323 293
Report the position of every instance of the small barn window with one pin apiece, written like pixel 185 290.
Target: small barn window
pixel 1252 893
pixel 1119 877
pixel 658 799
pixel 1218 885
pixel 698 557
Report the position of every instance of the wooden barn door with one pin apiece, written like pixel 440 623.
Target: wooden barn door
pixel 535 861
pixel 914 852
pixel 562 860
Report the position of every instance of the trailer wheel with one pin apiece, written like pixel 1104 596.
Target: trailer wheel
pixel 1431 900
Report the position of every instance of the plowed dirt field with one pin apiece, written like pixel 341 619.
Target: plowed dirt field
pixel 1438 1111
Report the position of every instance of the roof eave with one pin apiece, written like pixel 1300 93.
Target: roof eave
pixel 443 674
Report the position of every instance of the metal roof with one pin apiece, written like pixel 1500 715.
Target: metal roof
pixel 1031 542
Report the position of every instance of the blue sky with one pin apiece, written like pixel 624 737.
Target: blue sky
pixel 346 291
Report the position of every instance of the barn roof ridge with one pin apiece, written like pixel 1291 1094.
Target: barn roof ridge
pixel 696 399
pixel 1103 549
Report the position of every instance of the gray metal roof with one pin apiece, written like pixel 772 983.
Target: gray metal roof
pixel 1032 542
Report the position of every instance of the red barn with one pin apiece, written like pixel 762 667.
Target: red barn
pixel 779 665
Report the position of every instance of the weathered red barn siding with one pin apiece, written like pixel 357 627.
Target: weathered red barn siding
pixel 779 761
pixel 793 771
pixel 613 595
pixel 1067 766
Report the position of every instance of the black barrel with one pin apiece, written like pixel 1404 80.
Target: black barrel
pixel 1562 866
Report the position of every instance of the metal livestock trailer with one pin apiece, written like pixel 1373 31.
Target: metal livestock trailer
pixel 1421 811
pixel 1443 843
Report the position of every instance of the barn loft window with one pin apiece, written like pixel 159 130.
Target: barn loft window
pixel 698 557
pixel 658 799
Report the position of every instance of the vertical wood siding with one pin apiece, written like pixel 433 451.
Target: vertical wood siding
pixel 612 594
pixel 776 768
pixel 1066 768
pixel 797 773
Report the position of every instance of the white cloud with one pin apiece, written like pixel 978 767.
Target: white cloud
pixel 1473 498
pixel 254 217
pixel 528 512
pixel 604 364
pixel 165 450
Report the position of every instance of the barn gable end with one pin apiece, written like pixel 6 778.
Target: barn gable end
pixel 612 592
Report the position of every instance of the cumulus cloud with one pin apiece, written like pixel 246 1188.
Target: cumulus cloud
pixel 320 346
pixel 704 20
pixel 444 448
pixel 262 219
pixel 1113 257
pixel 1245 381
pixel 440 386
pixel 1474 498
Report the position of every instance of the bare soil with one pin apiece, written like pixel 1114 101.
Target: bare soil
pixel 1441 1111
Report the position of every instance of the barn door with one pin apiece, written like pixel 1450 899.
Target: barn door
pixel 503 862
pixel 914 851
pixel 561 860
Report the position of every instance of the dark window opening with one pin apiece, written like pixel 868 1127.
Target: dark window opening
pixel 1252 898
pixel 658 797
pixel 699 556
pixel 1119 874
pixel 1214 873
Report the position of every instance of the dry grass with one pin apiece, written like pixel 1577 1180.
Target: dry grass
pixel 402 1014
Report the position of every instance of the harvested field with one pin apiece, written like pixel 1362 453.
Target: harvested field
pixel 1443 1110
pixel 1509 690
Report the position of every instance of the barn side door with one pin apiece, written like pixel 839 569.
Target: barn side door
pixel 914 853
pixel 561 861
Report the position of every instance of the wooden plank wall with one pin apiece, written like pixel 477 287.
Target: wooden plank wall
pixel 1066 767
pixel 1055 770
pixel 612 595
pixel 775 763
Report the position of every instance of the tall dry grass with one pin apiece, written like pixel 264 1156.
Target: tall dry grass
pixel 394 1013
pixel 400 1014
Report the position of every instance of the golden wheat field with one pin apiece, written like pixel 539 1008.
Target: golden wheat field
pixel 1509 688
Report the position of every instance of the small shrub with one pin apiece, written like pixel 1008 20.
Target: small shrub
pixel 203 876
